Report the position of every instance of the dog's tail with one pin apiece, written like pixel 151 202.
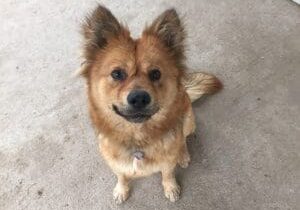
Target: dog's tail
pixel 198 84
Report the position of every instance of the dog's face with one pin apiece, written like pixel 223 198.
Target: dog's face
pixel 134 79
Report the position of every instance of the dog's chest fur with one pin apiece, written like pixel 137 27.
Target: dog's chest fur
pixel 156 154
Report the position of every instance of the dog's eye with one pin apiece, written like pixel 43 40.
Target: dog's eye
pixel 118 74
pixel 154 75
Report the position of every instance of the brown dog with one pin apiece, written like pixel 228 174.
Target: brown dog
pixel 140 97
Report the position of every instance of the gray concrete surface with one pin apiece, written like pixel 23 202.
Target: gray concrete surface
pixel 246 154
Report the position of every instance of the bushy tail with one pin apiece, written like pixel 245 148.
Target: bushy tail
pixel 197 84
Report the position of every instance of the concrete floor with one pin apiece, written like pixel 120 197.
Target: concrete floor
pixel 246 154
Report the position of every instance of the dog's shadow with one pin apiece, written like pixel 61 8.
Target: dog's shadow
pixel 195 143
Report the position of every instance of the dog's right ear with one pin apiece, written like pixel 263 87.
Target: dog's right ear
pixel 99 27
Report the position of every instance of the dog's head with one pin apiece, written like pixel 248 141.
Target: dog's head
pixel 137 79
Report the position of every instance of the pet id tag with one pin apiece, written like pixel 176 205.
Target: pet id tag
pixel 138 157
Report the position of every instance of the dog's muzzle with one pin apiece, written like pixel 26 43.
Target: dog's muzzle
pixel 135 115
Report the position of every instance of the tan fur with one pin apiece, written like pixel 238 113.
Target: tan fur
pixel 198 83
pixel 162 138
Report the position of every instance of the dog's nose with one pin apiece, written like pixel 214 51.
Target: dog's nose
pixel 138 99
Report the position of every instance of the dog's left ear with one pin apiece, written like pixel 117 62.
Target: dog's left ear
pixel 168 28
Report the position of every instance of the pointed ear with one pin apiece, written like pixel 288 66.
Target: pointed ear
pixel 98 28
pixel 167 27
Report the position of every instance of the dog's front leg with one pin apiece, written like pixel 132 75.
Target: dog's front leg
pixel 171 188
pixel 121 190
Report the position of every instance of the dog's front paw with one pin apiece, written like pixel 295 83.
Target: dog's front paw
pixel 172 192
pixel 120 194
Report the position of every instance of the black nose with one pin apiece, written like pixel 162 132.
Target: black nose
pixel 138 99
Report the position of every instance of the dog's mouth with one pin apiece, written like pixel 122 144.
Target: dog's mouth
pixel 135 116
